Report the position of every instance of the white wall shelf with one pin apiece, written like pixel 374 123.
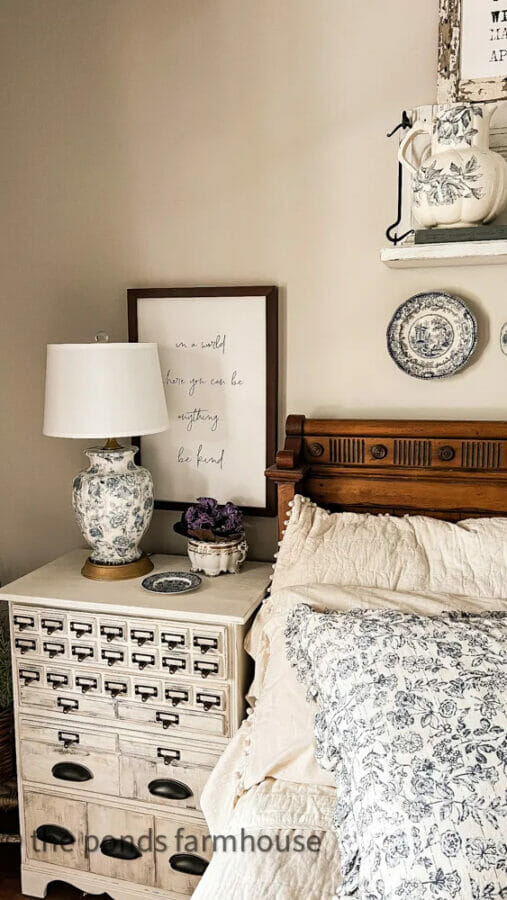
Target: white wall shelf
pixel 461 253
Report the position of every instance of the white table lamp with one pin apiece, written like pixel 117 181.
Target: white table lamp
pixel 105 390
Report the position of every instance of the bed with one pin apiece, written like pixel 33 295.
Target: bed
pixel 425 536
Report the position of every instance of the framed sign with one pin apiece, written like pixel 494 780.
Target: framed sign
pixel 218 351
pixel 472 52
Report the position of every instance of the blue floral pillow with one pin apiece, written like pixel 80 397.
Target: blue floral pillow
pixel 412 722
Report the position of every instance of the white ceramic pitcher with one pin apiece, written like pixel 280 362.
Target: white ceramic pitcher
pixel 459 181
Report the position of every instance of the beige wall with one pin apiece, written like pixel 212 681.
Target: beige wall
pixel 156 142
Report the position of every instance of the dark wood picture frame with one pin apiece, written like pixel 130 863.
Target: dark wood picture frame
pixel 270 293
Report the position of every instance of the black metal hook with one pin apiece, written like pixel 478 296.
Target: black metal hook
pixel 405 123
pixel 391 233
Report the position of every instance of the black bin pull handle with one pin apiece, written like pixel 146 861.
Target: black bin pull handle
pixel 54 834
pixel 66 704
pixel 188 863
pixel 167 719
pixel 67 771
pixel 168 756
pixel 117 848
pixel 170 789
pixel 68 738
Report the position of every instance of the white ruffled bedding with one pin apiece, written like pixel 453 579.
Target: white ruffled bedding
pixel 279 810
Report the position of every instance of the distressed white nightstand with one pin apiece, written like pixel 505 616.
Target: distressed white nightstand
pixel 124 701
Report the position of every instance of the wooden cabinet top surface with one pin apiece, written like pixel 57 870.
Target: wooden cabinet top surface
pixel 226 598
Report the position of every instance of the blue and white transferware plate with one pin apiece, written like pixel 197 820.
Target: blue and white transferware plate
pixel 432 335
pixel 171 582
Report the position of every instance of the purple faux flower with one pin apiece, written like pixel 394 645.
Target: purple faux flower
pixel 210 521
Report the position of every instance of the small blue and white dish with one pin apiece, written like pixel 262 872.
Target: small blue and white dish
pixel 171 582
pixel 432 335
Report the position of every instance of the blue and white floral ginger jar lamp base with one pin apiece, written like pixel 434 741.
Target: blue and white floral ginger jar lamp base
pixel 99 390
pixel 113 503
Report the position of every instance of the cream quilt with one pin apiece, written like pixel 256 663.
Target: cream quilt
pixel 277 810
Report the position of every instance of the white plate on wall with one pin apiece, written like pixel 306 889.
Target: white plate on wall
pixel 432 335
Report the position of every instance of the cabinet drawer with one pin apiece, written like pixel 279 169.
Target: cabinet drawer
pixel 208 667
pixel 188 849
pixel 208 640
pixel 174 637
pixel 83 652
pixel 143 659
pixel 112 630
pixel 26 647
pixel 54 648
pixel 55 830
pixel 125 850
pixel 58 678
pixel 175 663
pixel 147 690
pixel 52 624
pixel 61 734
pixel 25 621
pixel 70 765
pixel 66 703
pixel 143 634
pixel 167 718
pixel 164 775
pixel 81 626
pixel 30 674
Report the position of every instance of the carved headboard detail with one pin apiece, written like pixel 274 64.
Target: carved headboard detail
pixel 451 470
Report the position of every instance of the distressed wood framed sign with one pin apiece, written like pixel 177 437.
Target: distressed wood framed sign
pixel 218 351
pixel 472 53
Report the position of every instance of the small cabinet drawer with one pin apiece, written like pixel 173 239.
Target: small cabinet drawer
pixel 113 656
pixel 58 678
pixel 26 646
pixel 116 687
pixel 56 830
pixel 178 694
pixel 146 690
pixel 69 764
pixel 144 660
pixel 112 631
pixel 165 718
pixel 181 865
pixel 55 648
pixel 24 621
pixel 83 652
pixel 29 674
pixel 87 683
pixel 211 699
pixel 174 638
pixel 143 634
pixel 52 624
pixel 175 664
pixel 121 853
pixel 208 667
pixel 208 640
pixel 82 627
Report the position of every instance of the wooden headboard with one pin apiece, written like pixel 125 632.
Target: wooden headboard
pixel 450 470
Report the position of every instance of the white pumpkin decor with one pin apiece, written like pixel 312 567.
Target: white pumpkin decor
pixel 459 181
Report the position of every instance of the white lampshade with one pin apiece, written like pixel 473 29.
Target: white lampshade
pixel 103 391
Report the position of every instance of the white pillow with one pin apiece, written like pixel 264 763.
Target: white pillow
pixel 412 553
pixel 280 729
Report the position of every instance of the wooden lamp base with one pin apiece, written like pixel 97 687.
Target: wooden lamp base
pixel 141 566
